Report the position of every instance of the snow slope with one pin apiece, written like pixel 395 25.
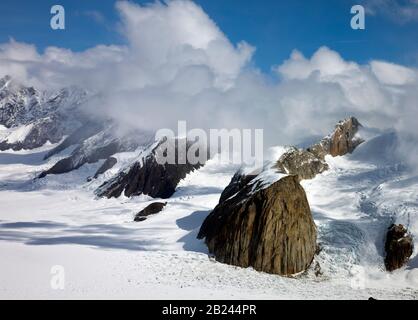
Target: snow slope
pixel 58 221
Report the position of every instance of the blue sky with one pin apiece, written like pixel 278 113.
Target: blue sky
pixel 274 27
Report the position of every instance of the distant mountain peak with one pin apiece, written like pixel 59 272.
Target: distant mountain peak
pixel 50 115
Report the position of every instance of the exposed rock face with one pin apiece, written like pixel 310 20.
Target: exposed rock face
pixel 16 102
pixel 100 146
pixel 399 247
pixel 270 229
pixel 85 131
pixel 344 140
pixel 306 164
pixel 107 165
pixel 38 133
pixel 238 182
pixel 302 163
pixel 78 158
pixel 151 209
pixel 321 149
pixel 148 176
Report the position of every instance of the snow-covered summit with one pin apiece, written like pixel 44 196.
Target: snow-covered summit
pixel 31 117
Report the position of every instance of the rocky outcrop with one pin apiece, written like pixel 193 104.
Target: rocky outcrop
pixel 344 139
pixel 107 165
pixel 148 175
pixel 271 227
pixel 268 228
pixel 398 246
pixel 238 182
pixel 304 164
pixel 79 158
pixel 151 209
pixel 307 163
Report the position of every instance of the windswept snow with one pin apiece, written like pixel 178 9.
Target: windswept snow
pixel 355 202
pixel 58 221
pixel 17 134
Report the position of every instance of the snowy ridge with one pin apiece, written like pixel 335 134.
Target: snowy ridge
pixel 57 220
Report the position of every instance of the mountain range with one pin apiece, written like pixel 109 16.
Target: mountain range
pixel 338 216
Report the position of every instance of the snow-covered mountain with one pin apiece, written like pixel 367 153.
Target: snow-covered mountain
pixel 29 118
pixel 93 143
pixel 59 220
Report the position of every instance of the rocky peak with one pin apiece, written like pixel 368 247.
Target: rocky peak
pixel 21 105
pixel 344 139
pixel 35 117
pixel 307 163
pixel 15 102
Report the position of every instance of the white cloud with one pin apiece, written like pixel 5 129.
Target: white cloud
pixel 15 59
pixel 325 61
pixel 178 65
pixel 166 38
pixel 401 11
pixel 392 74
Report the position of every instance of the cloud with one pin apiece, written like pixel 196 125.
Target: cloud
pixel 381 94
pixel 392 74
pixel 325 61
pixel 178 65
pixel 167 38
pixel 97 16
pixel 401 11
pixel 15 59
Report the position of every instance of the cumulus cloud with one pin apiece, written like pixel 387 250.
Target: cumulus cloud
pixel 178 65
pixel 326 62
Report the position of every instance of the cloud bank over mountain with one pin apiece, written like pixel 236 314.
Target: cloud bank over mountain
pixel 178 65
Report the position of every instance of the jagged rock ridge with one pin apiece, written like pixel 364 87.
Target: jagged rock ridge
pixel 100 146
pixel 107 165
pixel 147 176
pixel 306 164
